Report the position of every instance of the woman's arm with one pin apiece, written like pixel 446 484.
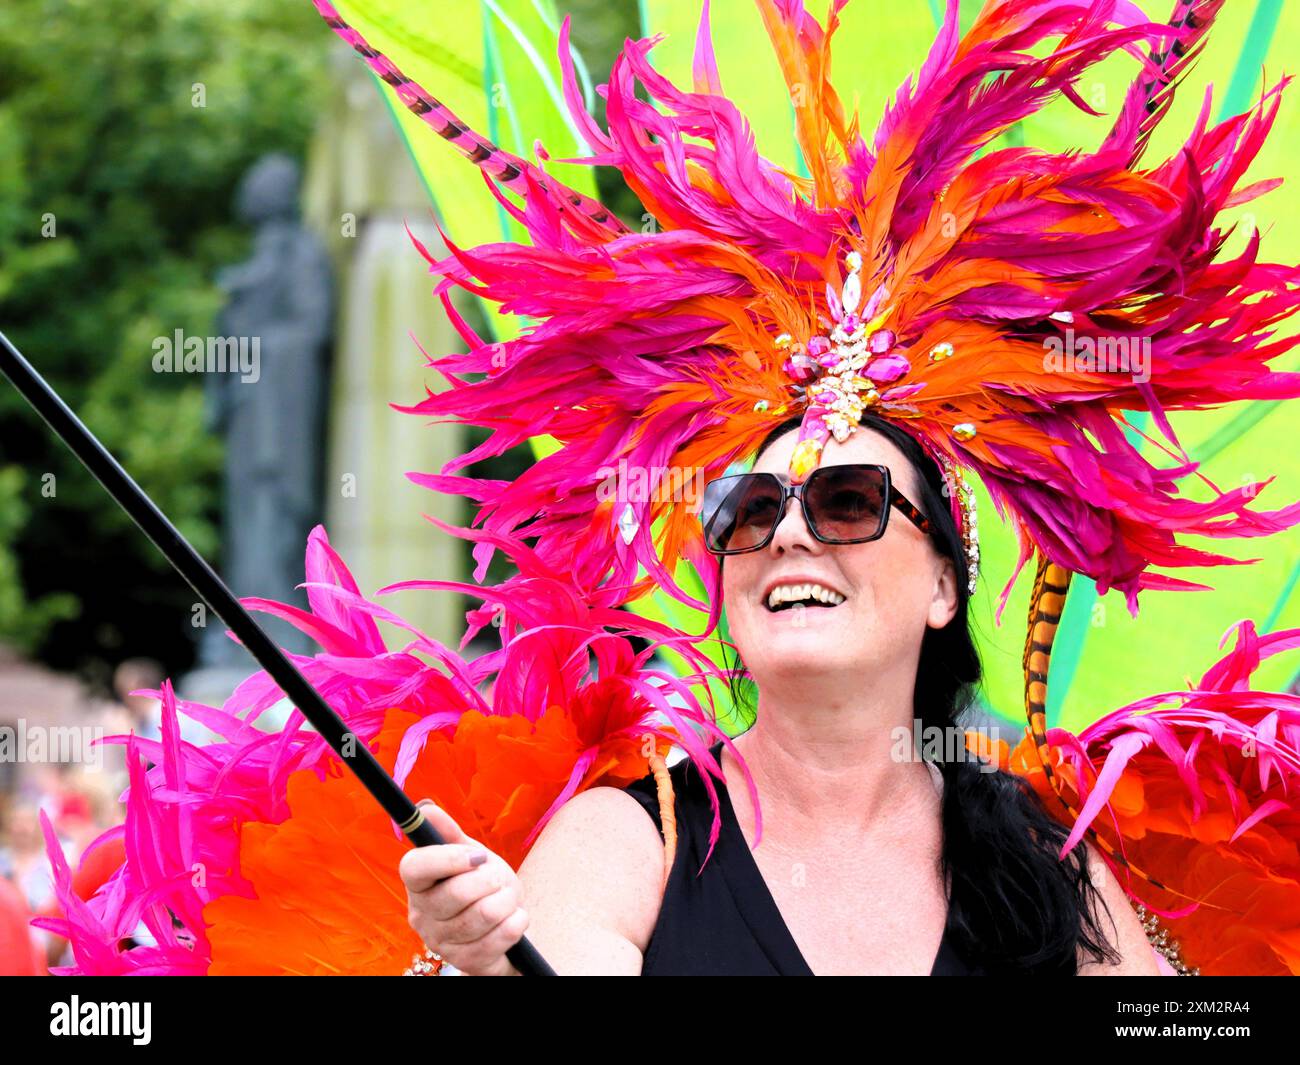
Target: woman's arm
pixel 592 885
pixel 1123 929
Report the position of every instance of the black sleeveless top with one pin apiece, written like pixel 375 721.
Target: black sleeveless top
pixel 724 921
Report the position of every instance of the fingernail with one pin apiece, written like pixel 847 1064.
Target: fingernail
pixel 477 858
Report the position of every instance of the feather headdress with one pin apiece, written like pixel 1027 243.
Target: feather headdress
pixel 979 299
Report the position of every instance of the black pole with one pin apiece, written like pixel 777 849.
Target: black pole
pixel 213 591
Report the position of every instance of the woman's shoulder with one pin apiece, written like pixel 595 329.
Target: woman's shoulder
pixel 607 814
pixel 606 810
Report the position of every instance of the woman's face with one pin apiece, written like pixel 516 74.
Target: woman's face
pixel 892 588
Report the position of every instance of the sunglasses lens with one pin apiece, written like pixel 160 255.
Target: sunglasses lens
pixel 846 503
pixel 738 512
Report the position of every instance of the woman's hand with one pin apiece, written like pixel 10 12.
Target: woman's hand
pixel 463 900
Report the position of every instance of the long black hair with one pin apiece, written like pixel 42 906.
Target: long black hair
pixel 1014 906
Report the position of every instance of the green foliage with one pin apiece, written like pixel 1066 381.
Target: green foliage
pixel 22 622
pixel 124 130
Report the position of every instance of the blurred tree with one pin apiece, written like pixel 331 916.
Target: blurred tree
pixel 123 131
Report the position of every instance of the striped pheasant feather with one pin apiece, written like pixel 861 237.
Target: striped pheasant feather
pixel 506 169
pixel 1046 608
pixel 1152 93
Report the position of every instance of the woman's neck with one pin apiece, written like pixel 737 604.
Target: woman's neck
pixel 831 778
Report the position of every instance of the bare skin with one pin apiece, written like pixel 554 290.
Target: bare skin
pixel 851 833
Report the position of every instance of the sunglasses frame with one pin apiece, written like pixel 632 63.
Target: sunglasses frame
pixel 796 491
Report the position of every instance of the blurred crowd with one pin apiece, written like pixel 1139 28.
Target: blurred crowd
pixel 81 799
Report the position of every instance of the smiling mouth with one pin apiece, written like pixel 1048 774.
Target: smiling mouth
pixel 807 600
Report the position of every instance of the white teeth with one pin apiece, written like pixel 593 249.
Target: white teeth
pixel 788 593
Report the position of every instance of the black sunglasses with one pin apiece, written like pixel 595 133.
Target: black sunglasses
pixel 841 504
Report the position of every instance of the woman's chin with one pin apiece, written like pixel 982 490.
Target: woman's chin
pixel 802 636
pixel 809 633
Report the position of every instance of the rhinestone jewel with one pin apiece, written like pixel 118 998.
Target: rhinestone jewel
pixel 964 431
pixel 881 341
pixel 801 368
pixel 852 294
pixel 941 351
pixel 628 524
pixel 1159 939
pixel 805 456
pixel 838 373
pixel 430 965
pixel 970 537
pixel 886 369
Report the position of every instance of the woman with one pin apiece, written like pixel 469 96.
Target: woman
pixel 857 844
pixel 934 275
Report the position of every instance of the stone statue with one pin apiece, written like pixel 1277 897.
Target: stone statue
pixel 269 404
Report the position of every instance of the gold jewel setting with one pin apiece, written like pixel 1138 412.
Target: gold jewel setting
pixel 430 965
pixel 1159 938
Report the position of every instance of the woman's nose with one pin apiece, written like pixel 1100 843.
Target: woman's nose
pixel 791 530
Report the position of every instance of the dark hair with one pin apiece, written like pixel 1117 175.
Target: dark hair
pixel 1014 906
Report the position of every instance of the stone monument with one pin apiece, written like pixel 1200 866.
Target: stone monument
pixel 279 309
